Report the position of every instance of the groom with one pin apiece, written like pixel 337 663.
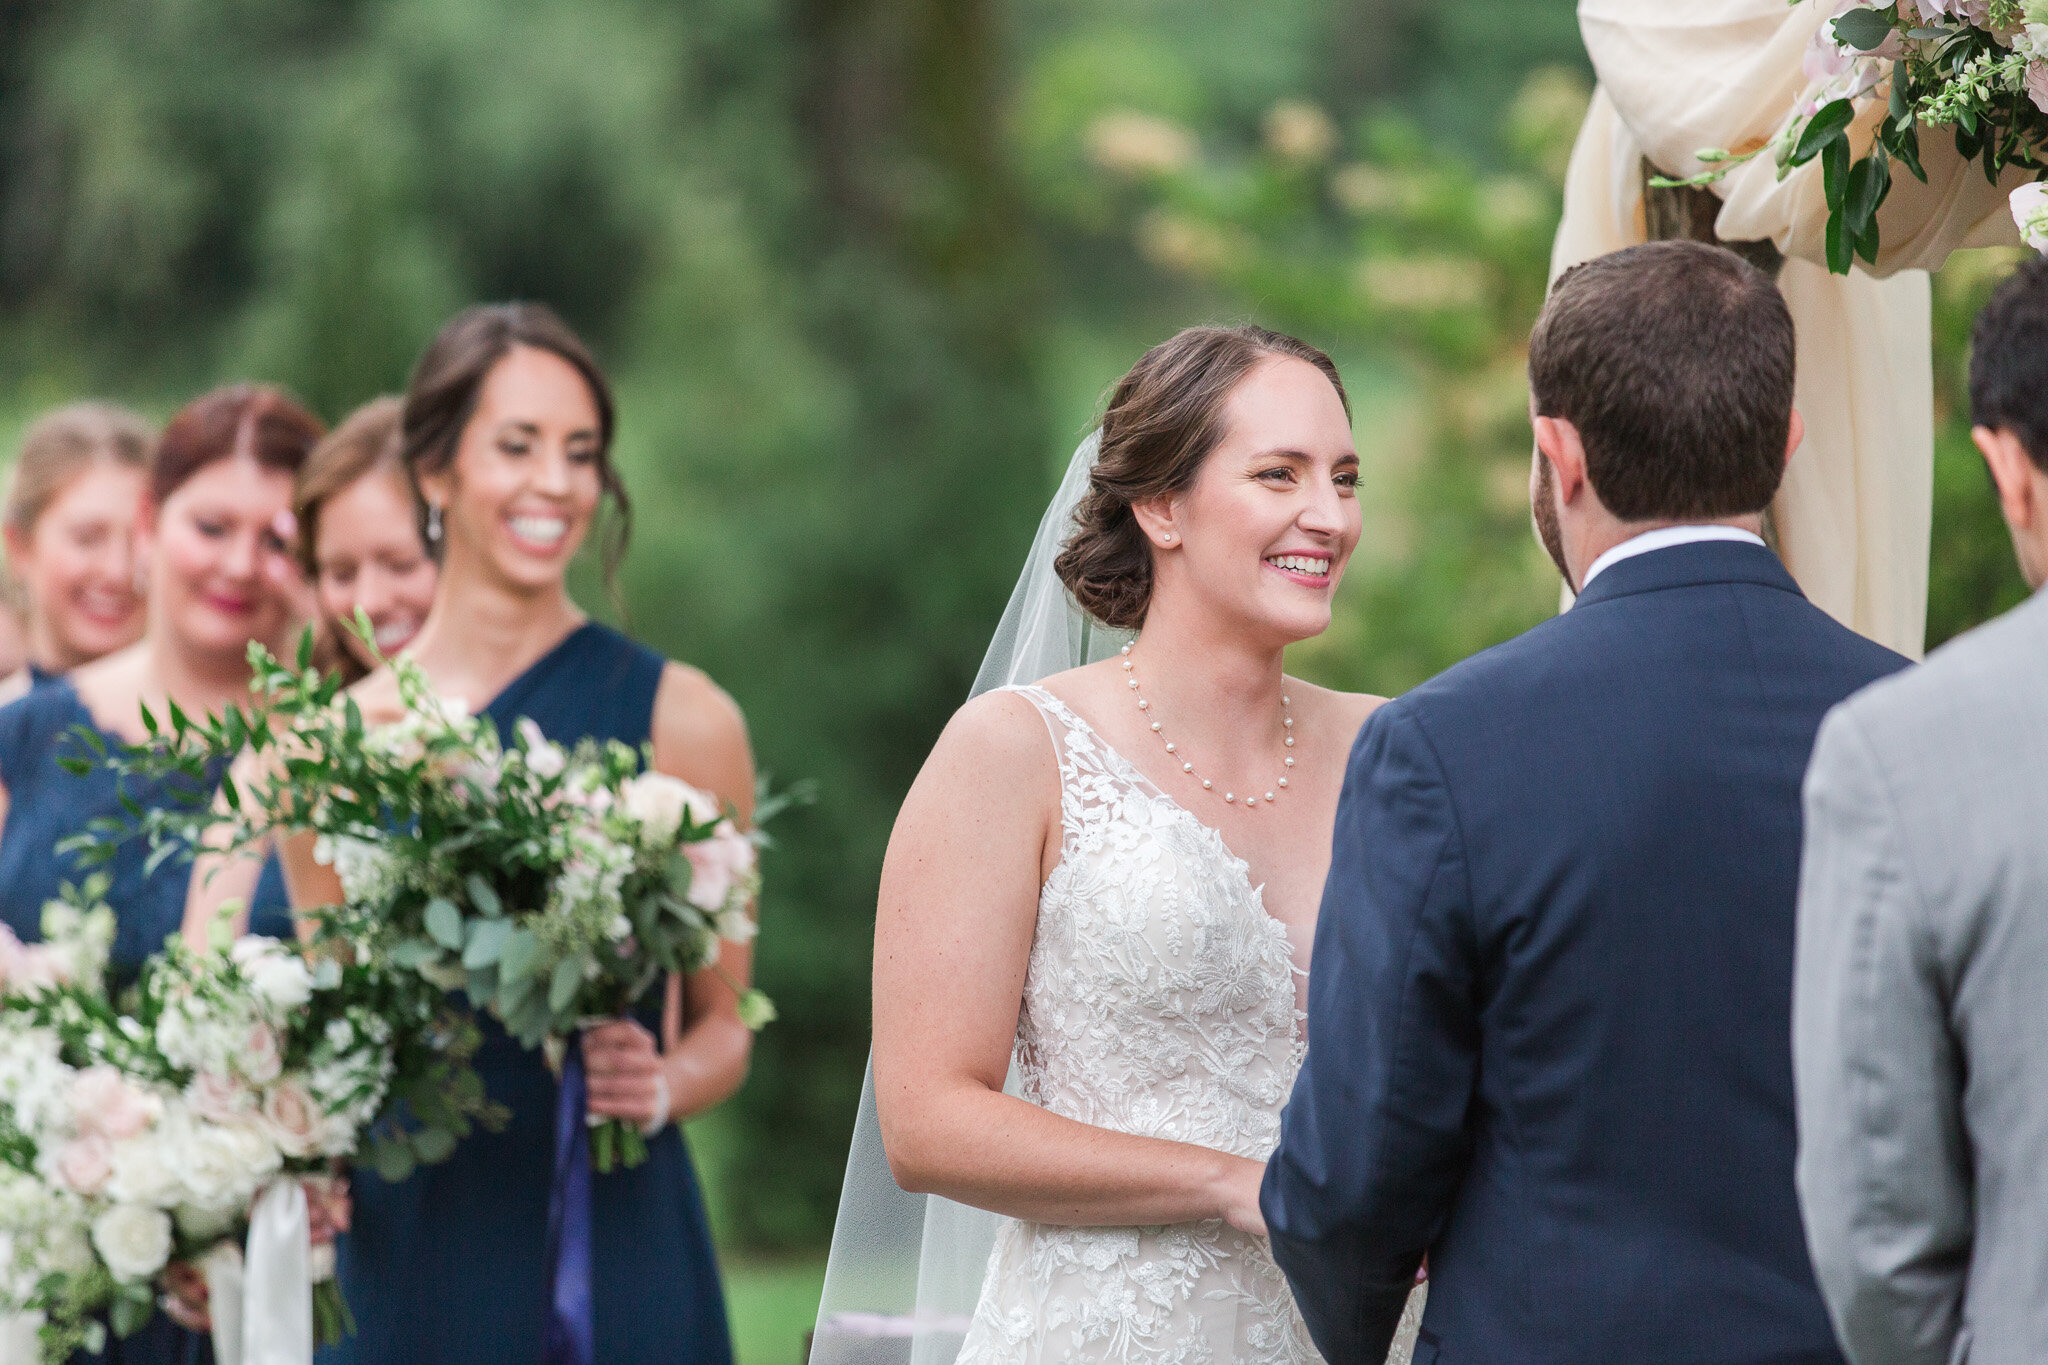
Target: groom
pixel 1549 1011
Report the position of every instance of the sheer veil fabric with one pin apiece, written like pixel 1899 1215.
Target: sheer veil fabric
pixel 906 1269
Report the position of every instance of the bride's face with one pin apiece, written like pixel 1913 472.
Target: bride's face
pixel 1266 529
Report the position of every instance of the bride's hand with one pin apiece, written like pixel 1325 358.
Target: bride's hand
pixel 1238 1194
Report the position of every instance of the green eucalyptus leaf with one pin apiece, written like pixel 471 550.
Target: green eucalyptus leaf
pixel 392 1158
pixel 444 922
pixel 486 942
pixel 415 953
pixel 128 1314
pixel 431 1145
pixel 516 958
pixel 1864 29
pixel 567 980
pixel 483 895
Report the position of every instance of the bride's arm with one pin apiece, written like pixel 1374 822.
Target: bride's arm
pixel 959 903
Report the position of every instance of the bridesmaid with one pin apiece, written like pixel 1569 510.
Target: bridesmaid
pixel 507 435
pixel 360 546
pixel 69 524
pixel 211 532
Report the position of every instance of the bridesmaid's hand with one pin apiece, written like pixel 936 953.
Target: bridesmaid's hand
pixel 329 1209
pixel 184 1298
pixel 624 1072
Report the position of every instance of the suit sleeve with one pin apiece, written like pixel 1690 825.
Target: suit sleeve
pixel 1374 1141
pixel 1884 1175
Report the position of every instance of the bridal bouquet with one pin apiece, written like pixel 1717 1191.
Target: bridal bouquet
pixel 1976 68
pixel 181 1129
pixel 550 886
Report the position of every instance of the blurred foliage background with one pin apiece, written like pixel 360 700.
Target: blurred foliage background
pixel 862 270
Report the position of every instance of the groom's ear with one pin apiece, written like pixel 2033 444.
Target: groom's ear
pixel 1557 441
pixel 2012 471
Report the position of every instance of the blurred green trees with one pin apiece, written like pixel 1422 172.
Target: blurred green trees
pixel 861 270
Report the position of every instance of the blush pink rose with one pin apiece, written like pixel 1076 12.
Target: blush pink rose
pixel 220 1099
pixel 262 1058
pixel 85 1164
pixel 293 1119
pixel 105 1104
pixel 2037 84
pixel 717 864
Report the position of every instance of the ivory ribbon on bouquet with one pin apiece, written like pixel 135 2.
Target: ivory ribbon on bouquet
pixel 1854 515
pixel 262 1303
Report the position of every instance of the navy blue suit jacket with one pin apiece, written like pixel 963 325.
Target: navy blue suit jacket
pixel 1550 1007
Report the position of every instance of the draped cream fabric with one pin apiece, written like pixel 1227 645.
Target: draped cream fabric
pixel 1676 76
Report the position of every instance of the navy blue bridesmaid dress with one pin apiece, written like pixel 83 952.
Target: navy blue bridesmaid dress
pixel 446 1266
pixel 45 804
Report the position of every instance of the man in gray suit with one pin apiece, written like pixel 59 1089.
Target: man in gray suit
pixel 1920 1010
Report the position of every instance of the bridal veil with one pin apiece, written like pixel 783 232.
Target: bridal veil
pixel 906 1269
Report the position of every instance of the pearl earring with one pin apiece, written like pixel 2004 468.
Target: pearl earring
pixel 433 523
pixel 1169 537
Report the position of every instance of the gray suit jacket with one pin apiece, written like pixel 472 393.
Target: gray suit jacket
pixel 1920 1009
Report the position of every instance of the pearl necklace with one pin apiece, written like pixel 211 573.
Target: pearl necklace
pixel 1230 798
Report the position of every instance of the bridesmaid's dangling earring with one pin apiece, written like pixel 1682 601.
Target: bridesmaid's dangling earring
pixel 433 523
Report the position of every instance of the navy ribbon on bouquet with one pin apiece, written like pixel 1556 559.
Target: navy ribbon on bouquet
pixel 571 1334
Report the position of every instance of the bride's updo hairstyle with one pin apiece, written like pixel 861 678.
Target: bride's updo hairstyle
pixel 1164 418
pixel 441 397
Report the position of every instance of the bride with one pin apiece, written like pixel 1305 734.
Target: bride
pixel 1112 876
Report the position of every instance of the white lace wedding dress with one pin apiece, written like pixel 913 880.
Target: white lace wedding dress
pixel 1160 999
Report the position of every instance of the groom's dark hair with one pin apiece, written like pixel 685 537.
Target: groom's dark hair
pixel 1674 360
pixel 2009 360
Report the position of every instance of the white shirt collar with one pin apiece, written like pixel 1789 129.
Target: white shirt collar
pixel 1663 538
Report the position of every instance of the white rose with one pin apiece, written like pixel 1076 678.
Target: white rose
pixel 222 1167
pixel 66 1249
pixel 2030 211
pixel 656 802
pixel 320 1262
pixel 144 1171
pixel 278 976
pixel 133 1239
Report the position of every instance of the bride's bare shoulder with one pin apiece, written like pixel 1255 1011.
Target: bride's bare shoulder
pixel 1347 711
pixel 1001 730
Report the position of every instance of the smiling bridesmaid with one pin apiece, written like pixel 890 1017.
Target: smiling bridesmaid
pixel 69 523
pixel 507 434
pixel 212 533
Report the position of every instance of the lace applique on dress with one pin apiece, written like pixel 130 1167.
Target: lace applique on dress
pixel 1159 1000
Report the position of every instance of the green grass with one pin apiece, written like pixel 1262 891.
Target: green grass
pixel 772 1303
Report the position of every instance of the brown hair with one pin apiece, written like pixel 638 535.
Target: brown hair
pixel 2009 360
pixel 256 420
pixel 61 445
pixel 367 441
pixel 1675 361
pixel 1163 419
pixel 441 397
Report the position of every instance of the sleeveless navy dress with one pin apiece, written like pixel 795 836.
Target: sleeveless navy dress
pixel 46 804
pixel 445 1267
